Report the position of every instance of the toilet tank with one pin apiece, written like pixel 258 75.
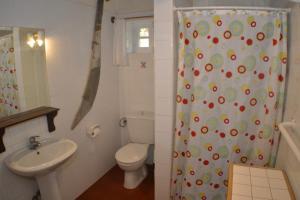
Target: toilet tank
pixel 141 127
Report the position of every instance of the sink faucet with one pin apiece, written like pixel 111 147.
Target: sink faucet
pixel 33 143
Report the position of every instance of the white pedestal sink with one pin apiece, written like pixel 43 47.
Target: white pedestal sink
pixel 41 164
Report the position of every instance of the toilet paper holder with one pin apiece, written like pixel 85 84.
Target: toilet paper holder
pixel 123 122
pixel 93 131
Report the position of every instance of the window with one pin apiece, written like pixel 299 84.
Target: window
pixel 144 38
pixel 139 36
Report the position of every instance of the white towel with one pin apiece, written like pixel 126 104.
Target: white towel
pixel 120 57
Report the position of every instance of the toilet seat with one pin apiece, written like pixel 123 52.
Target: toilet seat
pixel 132 153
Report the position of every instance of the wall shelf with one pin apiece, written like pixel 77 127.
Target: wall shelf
pixel 11 120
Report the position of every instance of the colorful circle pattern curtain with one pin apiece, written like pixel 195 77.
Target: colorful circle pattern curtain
pixel 231 81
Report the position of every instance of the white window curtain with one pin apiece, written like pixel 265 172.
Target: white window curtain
pixel 120 57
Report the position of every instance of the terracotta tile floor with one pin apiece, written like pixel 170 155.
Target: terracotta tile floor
pixel 110 187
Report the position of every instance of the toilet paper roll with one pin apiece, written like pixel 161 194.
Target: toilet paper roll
pixel 94 131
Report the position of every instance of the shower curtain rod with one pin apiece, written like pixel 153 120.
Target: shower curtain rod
pixel 234 8
pixel 139 17
pixel 113 18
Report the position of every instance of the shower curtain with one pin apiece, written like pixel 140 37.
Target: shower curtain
pixel 230 92
pixel 9 99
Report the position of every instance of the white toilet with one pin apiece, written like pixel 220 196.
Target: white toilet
pixel 131 157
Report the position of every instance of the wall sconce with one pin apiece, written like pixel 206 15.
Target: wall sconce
pixel 35 39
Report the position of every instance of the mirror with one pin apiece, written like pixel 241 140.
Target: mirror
pixel 23 74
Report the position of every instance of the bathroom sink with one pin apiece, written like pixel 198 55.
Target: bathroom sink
pixel 41 163
pixel 47 157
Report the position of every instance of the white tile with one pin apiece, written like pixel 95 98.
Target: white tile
pixel 163 147
pixel 258 172
pixel 161 63
pixel 164 106
pixel 162 181
pixel 163 49
pixel 164 79
pixel 163 30
pixel 164 123
pixel 261 192
pixel 164 89
pixel 163 10
pixel 87 2
pixel 259 181
pixel 241 179
pixel 241 170
pixel 244 190
pixel 164 70
pixel 279 194
pixel 239 197
pixel 275 174
pixel 186 3
pixel 277 183
pixel 136 91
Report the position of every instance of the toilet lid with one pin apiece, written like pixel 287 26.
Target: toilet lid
pixel 132 152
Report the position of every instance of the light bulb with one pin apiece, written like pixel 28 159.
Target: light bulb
pixel 36 39
pixel 31 43
pixel 40 42
pixel 40 38
pixel 30 40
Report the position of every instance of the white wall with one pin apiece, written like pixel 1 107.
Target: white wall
pixel 136 87
pixel 129 7
pixel 185 3
pixel 68 25
pixel 286 158
pixel 137 84
pixel 164 70
pixel 292 109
